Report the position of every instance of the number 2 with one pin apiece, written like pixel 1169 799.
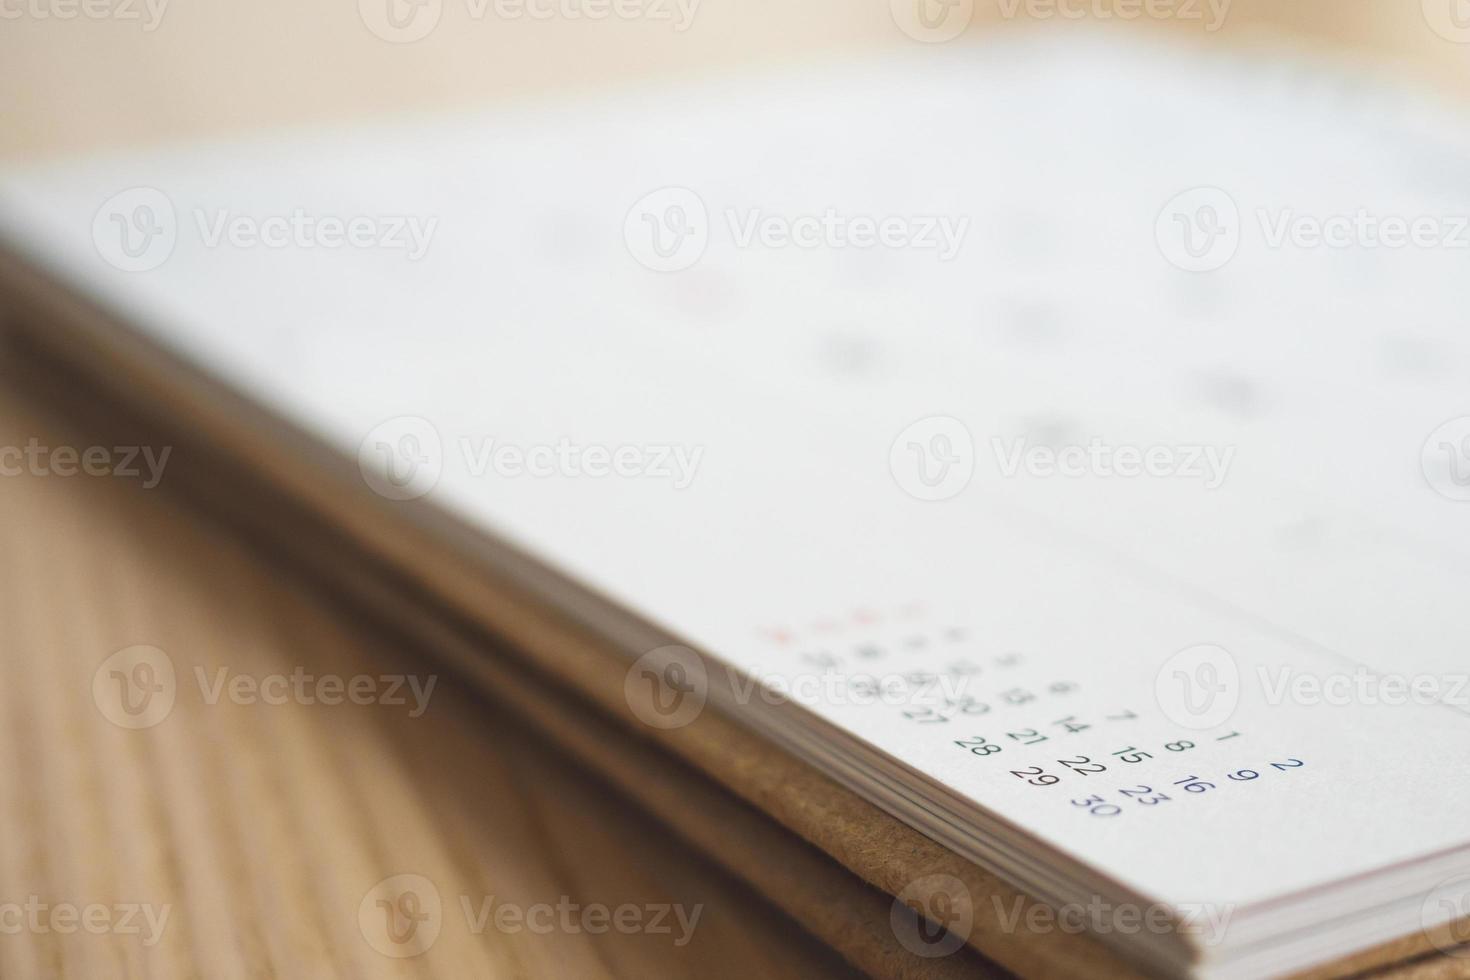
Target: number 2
pixel 1082 765
pixel 1036 776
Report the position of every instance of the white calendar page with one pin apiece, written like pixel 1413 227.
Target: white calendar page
pixel 850 516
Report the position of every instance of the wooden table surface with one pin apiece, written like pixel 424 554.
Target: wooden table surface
pixel 263 829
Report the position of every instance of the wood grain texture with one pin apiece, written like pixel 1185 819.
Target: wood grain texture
pixel 262 827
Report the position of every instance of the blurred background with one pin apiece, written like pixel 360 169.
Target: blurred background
pixel 263 833
pixel 163 70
